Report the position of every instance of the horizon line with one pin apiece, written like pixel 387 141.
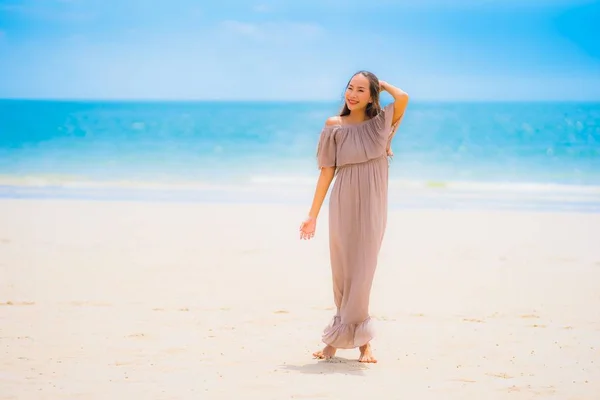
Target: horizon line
pixel 293 101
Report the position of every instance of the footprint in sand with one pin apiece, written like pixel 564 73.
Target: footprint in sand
pixel 500 375
pixel 480 321
pixel 538 326
pixel 4 241
pixel 123 363
pixel 321 308
pixel 529 316
pixel 281 312
pixel 137 335
pixel 89 303
pixel 545 390
pixel 18 303
pixel 465 380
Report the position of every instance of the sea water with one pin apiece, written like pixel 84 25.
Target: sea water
pixel 492 155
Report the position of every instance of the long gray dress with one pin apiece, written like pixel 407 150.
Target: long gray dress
pixel 357 220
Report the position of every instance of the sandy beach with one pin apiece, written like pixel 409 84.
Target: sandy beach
pixel 132 300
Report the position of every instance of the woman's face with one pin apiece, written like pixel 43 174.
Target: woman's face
pixel 358 95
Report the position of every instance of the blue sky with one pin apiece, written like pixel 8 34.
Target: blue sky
pixel 299 50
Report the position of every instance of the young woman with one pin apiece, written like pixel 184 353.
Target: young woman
pixel 354 147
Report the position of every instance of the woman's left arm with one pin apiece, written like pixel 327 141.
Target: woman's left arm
pixel 400 100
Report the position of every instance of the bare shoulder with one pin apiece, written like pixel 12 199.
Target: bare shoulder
pixel 332 121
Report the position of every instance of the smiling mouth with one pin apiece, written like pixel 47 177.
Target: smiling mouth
pixel 352 102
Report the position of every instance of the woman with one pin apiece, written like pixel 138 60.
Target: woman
pixel 354 147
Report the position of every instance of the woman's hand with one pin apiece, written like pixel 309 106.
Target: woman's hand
pixel 307 228
pixel 382 85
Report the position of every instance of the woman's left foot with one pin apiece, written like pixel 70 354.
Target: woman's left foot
pixel 327 353
pixel 366 356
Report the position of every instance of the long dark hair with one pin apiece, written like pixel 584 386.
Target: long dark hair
pixel 374 107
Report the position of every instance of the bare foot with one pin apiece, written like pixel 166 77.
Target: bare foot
pixel 365 354
pixel 325 354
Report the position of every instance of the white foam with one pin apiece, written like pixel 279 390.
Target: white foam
pixel 476 186
pixel 303 183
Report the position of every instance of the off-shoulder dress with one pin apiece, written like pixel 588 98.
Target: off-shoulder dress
pixel 358 207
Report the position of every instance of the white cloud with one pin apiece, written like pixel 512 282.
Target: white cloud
pixel 274 31
pixel 263 8
pixel 242 28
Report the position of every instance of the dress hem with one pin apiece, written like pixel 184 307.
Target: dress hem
pixel 348 336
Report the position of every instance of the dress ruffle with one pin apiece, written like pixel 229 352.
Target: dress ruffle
pixel 326 148
pixel 348 336
pixel 339 144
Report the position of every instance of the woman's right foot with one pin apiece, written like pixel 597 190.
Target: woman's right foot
pixel 325 354
pixel 366 355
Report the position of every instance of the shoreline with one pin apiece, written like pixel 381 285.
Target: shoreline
pixel 458 196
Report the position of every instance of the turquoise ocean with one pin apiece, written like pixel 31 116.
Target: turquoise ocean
pixel 527 156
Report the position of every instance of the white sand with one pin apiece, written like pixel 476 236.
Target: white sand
pixel 187 301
